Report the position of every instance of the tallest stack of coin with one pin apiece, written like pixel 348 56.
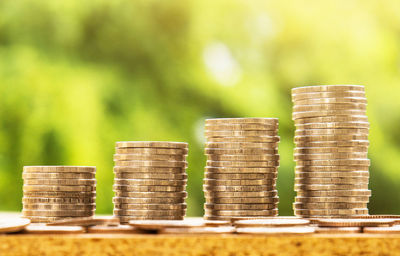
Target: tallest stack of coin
pixel 150 180
pixel 331 151
pixel 242 166
pixel 58 192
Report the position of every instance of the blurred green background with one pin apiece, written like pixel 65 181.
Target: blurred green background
pixel 76 76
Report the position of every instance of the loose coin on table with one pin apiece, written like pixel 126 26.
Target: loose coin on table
pixel 11 225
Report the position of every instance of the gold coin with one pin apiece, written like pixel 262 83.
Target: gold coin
pixel 123 212
pixel 250 120
pixel 58 169
pixel 144 188
pixel 242 145
pixel 60 194
pixel 315 101
pixel 334 193
pixel 11 225
pixel 315 150
pixel 61 175
pixel 38 206
pixel 152 151
pixel 86 221
pixel 151 144
pixel 252 139
pixel 330 125
pixel 256 188
pixel 209 134
pixel 238 164
pixel 44 219
pixel 244 151
pixel 126 219
pixel 276 230
pixel 241 212
pixel 219 194
pixel 344 180
pixel 327 88
pixel 243 157
pixel 240 176
pixel 341 131
pixel 347 212
pixel 180 164
pixel 337 143
pixel 335 205
pixel 66 200
pixel 357 162
pixel 179 194
pixel 330 156
pixel 330 106
pixel 221 170
pixel 56 230
pixel 327 174
pixel 241 127
pixel 146 169
pixel 333 168
pixel 382 230
pixel 242 200
pixel 219 182
pixel 338 230
pixel 336 137
pixel 232 207
pixel 199 230
pixel 141 182
pixel 49 188
pixel 159 207
pixel 154 225
pixel 154 176
pixel 321 95
pixel 67 182
pixel 332 119
pixel 120 229
pixel 336 199
pixel 323 187
pixel 272 223
pixel 156 200
pixel 125 157
pixel 319 113
pixel 55 213
pixel 355 222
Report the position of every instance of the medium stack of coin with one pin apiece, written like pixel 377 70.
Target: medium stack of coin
pixel 150 180
pixel 242 165
pixel 332 166
pixel 58 192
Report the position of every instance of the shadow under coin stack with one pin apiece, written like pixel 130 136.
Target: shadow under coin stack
pixel 242 165
pixel 58 192
pixel 332 167
pixel 150 180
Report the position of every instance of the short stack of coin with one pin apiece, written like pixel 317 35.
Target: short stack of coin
pixel 150 180
pixel 58 192
pixel 332 167
pixel 242 165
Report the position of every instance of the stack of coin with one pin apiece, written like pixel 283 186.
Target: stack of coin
pixel 242 165
pixel 150 180
pixel 58 192
pixel 332 167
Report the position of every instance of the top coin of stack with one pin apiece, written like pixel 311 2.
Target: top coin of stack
pixel 242 166
pixel 150 180
pixel 58 192
pixel 331 151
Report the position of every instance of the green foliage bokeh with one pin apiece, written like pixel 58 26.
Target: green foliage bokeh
pixel 76 76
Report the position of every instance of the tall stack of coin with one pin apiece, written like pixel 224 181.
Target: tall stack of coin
pixel 331 151
pixel 150 180
pixel 58 192
pixel 242 165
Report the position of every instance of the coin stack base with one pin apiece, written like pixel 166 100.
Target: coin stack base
pixel 150 180
pixel 331 151
pixel 58 192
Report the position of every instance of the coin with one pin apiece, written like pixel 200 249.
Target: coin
pixel 62 200
pixel 49 188
pixel 58 169
pixel 54 213
pixel 126 219
pixel 251 120
pixel 239 133
pixel 149 182
pixel 335 205
pixel 43 229
pixel 245 194
pixel 327 88
pixel 151 144
pixel 276 230
pixel 331 211
pixel 272 223
pixel 335 131
pixel 338 125
pixel 242 164
pixel 61 175
pixel 241 212
pixel 242 170
pixel 337 181
pixel 178 194
pixel 239 151
pixel 152 151
pixel 338 230
pixel 220 182
pixel 315 150
pixel 160 207
pixel 60 194
pixel 86 221
pixel 317 95
pixel 162 224
pixel 120 229
pixel 315 138
pixel 242 145
pixel 333 168
pixel 38 206
pixel 328 174
pixel 199 230
pixel 355 162
pixel 336 199
pixel 253 139
pixel 339 143
pixel 245 158
pixel 124 212
pixel 151 163
pixel 152 176
pixel 241 127
pixel 239 188
pixel 334 193
pixel 323 187
pixel 239 206
pixel 333 112
pixel 329 156
pixel 156 200
pixel 242 200
pixel 170 170
pixel 331 119
pixel 355 222
pixel 240 176
pixel 311 101
pixel 143 188
pixel 68 182
pixel 44 219
pixel 382 230
pixel 11 225
pixel 125 157
pixel 330 106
